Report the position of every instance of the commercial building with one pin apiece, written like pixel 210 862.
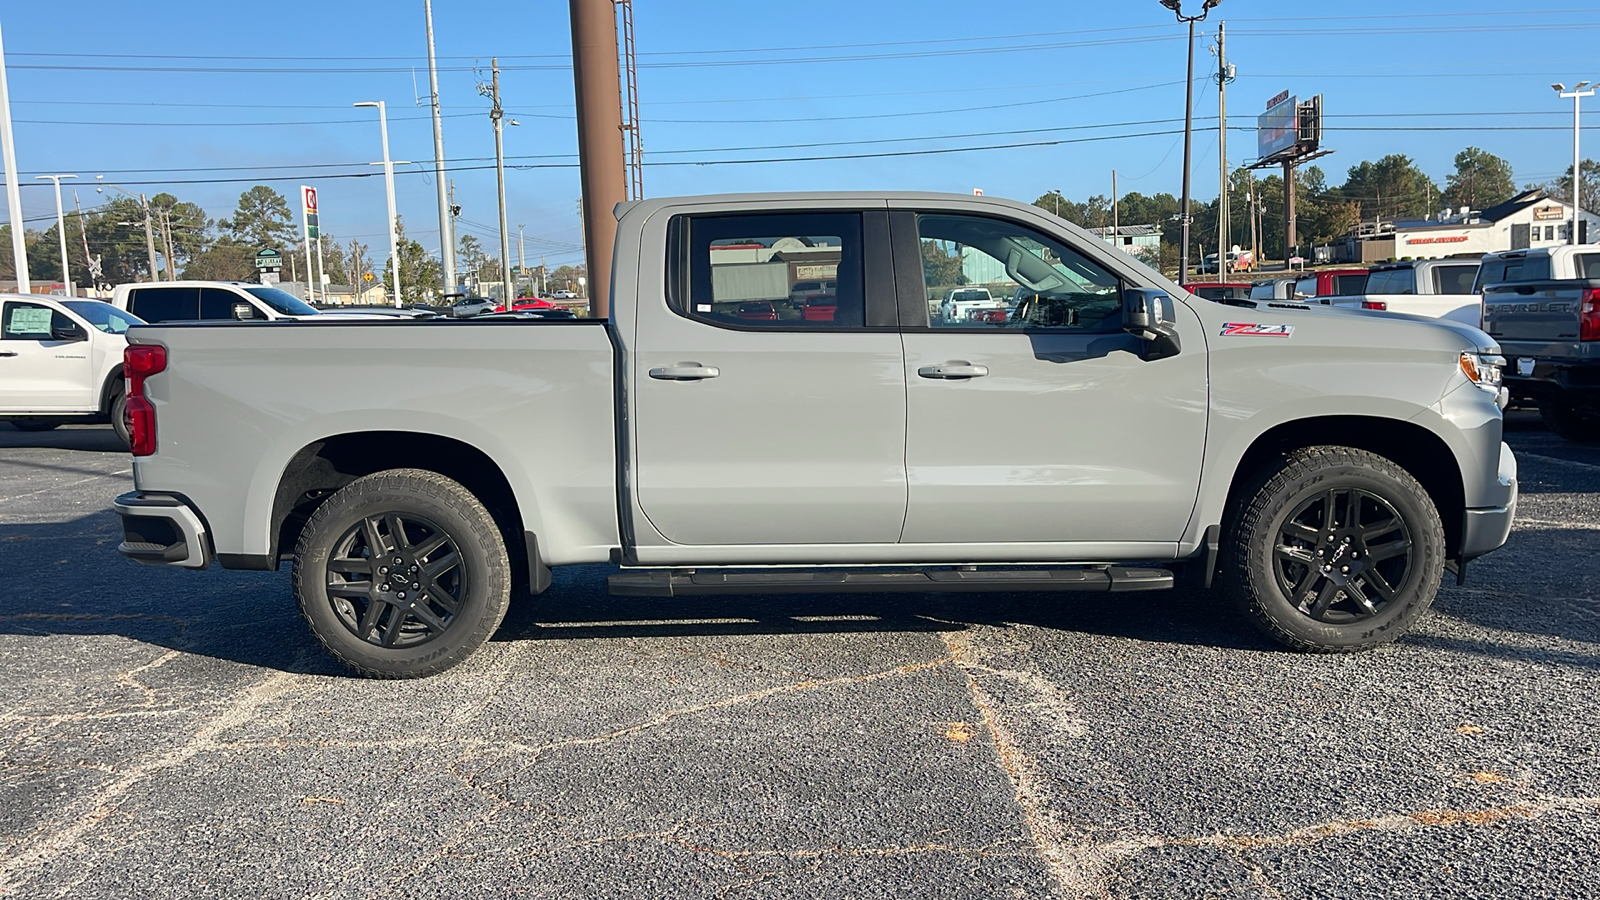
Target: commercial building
pixel 1530 219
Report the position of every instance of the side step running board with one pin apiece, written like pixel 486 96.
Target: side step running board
pixel 667 583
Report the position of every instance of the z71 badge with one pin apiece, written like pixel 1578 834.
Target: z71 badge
pixel 1252 329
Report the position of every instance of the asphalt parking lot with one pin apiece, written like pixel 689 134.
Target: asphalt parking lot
pixel 174 734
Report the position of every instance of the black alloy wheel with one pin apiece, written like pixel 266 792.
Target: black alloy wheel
pixel 396 580
pixel 1340 555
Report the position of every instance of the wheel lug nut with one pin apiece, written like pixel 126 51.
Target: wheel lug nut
pixel 1345 569
pixel 401 595
pixel 398 561
pixel 383 570
pixel 416 586
pixel 414 568
pixel 1320 552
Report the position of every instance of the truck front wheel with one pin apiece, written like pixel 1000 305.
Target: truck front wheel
pixel 402 574
pixel 1575 423
pixel 1336 550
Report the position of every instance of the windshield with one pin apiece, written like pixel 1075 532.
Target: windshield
pixel 103 316
pixel 282 301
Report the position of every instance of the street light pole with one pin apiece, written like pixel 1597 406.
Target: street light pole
pixel 388 182
pixel 1576 95
pixel 8 150
pixel 61 229
pixel 447 240
pixel 1188 125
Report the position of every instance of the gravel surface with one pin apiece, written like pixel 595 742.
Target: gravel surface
pixel 173 734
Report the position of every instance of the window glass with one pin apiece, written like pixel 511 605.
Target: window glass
pixel 103 316
pixel 989 273
pixel 1350 285
pixel 164 304
pixel 30 322
pixel 1266 290
pixel 1454 279
pixel 1305 287
pixel 282 301
pixel 789 271
pixel 217 303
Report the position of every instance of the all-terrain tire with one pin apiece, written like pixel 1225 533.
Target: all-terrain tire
pixel 437 620
pixel 1578 424
pixel 1300 584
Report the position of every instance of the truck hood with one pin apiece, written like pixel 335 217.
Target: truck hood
pixel 1302 315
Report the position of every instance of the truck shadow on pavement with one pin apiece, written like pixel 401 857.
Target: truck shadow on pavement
pixel 65 578
pixel 89 438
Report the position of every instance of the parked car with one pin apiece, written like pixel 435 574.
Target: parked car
pixel 564 295
pixel 801 291
pixel 1273 289
pixel 61 362
pixel 526 303
pixel 1221 292
pixel 819 308
pixel 1152 434
pixel 1238 261
pixel 183 301
pixel 758 309
pixel 958 303
pixel 1330 283
pixel 1543 306
pixel 467 307
pixel 1439 288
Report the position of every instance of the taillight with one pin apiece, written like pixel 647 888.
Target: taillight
pixel 140 361
pixel 1374 304
pixel 1589 316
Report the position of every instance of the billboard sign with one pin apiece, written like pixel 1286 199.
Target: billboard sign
pixel 1278 129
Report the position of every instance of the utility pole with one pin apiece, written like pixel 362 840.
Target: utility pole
pixel 92 262
pixel 61 230
pixel 522 268
pixel 447 231
pixel 454 212
pixel 8 148
pixel 1250 202
pixel 1116 215
pixel 1224 75
pixel 1576 95
pixel 149 238
pixel 597 85
pixel 497 116
pixel 169 250
pixel 544 277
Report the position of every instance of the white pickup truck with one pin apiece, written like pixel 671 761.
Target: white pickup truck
pixel 171 301
pixel 1111 434
pixel 1436 288
pixel 61 362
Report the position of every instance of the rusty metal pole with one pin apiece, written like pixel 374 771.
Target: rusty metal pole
pixel 597 84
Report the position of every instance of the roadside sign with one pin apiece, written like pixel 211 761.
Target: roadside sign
pixel 308 197
pixel 270 260
pixel 366 276
pixel 1279 128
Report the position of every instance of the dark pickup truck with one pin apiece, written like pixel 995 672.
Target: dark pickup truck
pixel 1543 306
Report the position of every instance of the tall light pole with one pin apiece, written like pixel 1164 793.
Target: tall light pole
pixel 61 229
pixel 447 239
pixel 388 184
pixel 8 149
pixel 1576 95
pixel 1188 124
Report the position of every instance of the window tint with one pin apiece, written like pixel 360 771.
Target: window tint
pixel 157 304
pixel 1350 285
pixel 1528 268
pixel 1454 279
pixel 786 271
pixel 1587 265
pixel 1392 281
pixel 989 273
pixel 217 303
pixel 1266 290
pixel 282 301
pixel 1305 287
pixel 30 322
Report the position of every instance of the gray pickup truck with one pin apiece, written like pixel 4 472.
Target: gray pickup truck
pixel 1110 432
pixel 1544 307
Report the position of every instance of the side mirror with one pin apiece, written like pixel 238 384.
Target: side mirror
pixel 1148 315
pixel 67 331
pixel 244 312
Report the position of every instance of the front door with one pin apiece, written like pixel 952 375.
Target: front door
pixel 37 372
pixel 1040 422
pixel 764 414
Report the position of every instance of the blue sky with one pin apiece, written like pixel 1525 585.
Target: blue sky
pixel 90 97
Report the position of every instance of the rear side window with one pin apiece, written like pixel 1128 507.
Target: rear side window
pixel 1454 279
pixel 164 304
pixel 1587 264
pixel 1306 287
pixel 1515 269
pixel 1350 285
pixel 1263 291
pixel 1392 281
pixel 217 303
pixel 791 271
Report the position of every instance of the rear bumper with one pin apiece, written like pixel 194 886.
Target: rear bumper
pixel 162 530
pixel 1486 530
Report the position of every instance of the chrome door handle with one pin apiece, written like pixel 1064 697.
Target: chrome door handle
pixel 953 370
pixel 685 372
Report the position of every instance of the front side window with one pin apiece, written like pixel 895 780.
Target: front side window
pixel 30 322
pixel 103 316
pixel 282 301
pixel 783 271
pixel 1305 287
pixel 987 273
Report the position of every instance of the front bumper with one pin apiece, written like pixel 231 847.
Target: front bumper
pixel 1486 530
pixel 162 530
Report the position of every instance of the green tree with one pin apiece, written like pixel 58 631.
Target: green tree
pixel 565 278
pixel 181 230
pixel 224 259
pixel 1393 188
pixel 262 220
pixel 941 265
pixel 1480 180
pixel 1561 188
pixel 419 272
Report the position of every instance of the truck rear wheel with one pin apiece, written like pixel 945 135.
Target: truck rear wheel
pixel 1336 550
pixel 1578 424
pixel 119 418
pixel 402 574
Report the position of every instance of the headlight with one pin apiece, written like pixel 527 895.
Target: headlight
pixel 1483 370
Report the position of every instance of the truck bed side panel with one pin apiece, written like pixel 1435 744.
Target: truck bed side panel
pixel 239 400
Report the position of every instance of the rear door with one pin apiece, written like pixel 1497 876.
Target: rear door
pixel 1047 425
pixel 37 372
pixel 785 430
